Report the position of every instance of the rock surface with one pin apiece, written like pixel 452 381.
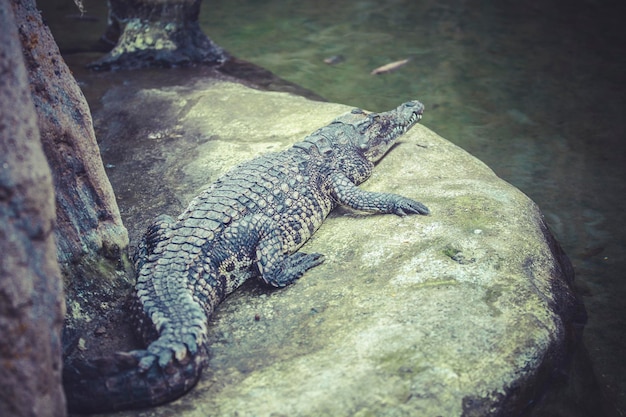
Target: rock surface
pixel 465 312
pixel 31 288
pixel 91 241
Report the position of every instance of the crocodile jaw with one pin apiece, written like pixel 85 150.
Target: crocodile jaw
pixel 379 131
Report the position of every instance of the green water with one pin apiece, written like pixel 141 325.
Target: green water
pixel 535 89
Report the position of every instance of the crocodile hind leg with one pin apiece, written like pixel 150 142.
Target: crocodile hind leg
pixel 261 236
pixel 278 268
pixel 282 270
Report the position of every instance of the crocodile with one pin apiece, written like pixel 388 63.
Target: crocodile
pixel 250 222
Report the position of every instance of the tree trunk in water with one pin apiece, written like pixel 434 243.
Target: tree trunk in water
pixel 91 239
pixel 31 297
pixel 161 33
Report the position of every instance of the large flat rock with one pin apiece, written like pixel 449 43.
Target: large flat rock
pixel 465 312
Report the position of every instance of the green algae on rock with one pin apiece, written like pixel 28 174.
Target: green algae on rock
pixel 150 33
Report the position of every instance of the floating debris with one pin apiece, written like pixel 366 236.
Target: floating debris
pixel 392 66
pixel 334 60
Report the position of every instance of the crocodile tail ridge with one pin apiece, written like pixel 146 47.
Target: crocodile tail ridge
pixel 119 382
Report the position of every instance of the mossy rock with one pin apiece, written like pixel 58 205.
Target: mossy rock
pixel 466 311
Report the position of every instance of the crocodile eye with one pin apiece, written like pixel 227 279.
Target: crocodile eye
pixel 357 111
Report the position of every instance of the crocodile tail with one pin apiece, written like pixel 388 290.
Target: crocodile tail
pixel 120 382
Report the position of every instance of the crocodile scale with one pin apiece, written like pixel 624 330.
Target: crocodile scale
pixel 250 222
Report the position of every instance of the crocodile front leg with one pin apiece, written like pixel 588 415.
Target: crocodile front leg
pixel 347 194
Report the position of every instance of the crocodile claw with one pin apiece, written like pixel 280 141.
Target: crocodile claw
pixel 405 206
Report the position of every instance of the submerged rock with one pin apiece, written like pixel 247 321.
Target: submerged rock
pixel 466 312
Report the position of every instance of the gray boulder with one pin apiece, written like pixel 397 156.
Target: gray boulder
pixel 466 312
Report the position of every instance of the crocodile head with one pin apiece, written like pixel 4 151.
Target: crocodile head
pixel 355 141
pixel 368 134
pixel 375 133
